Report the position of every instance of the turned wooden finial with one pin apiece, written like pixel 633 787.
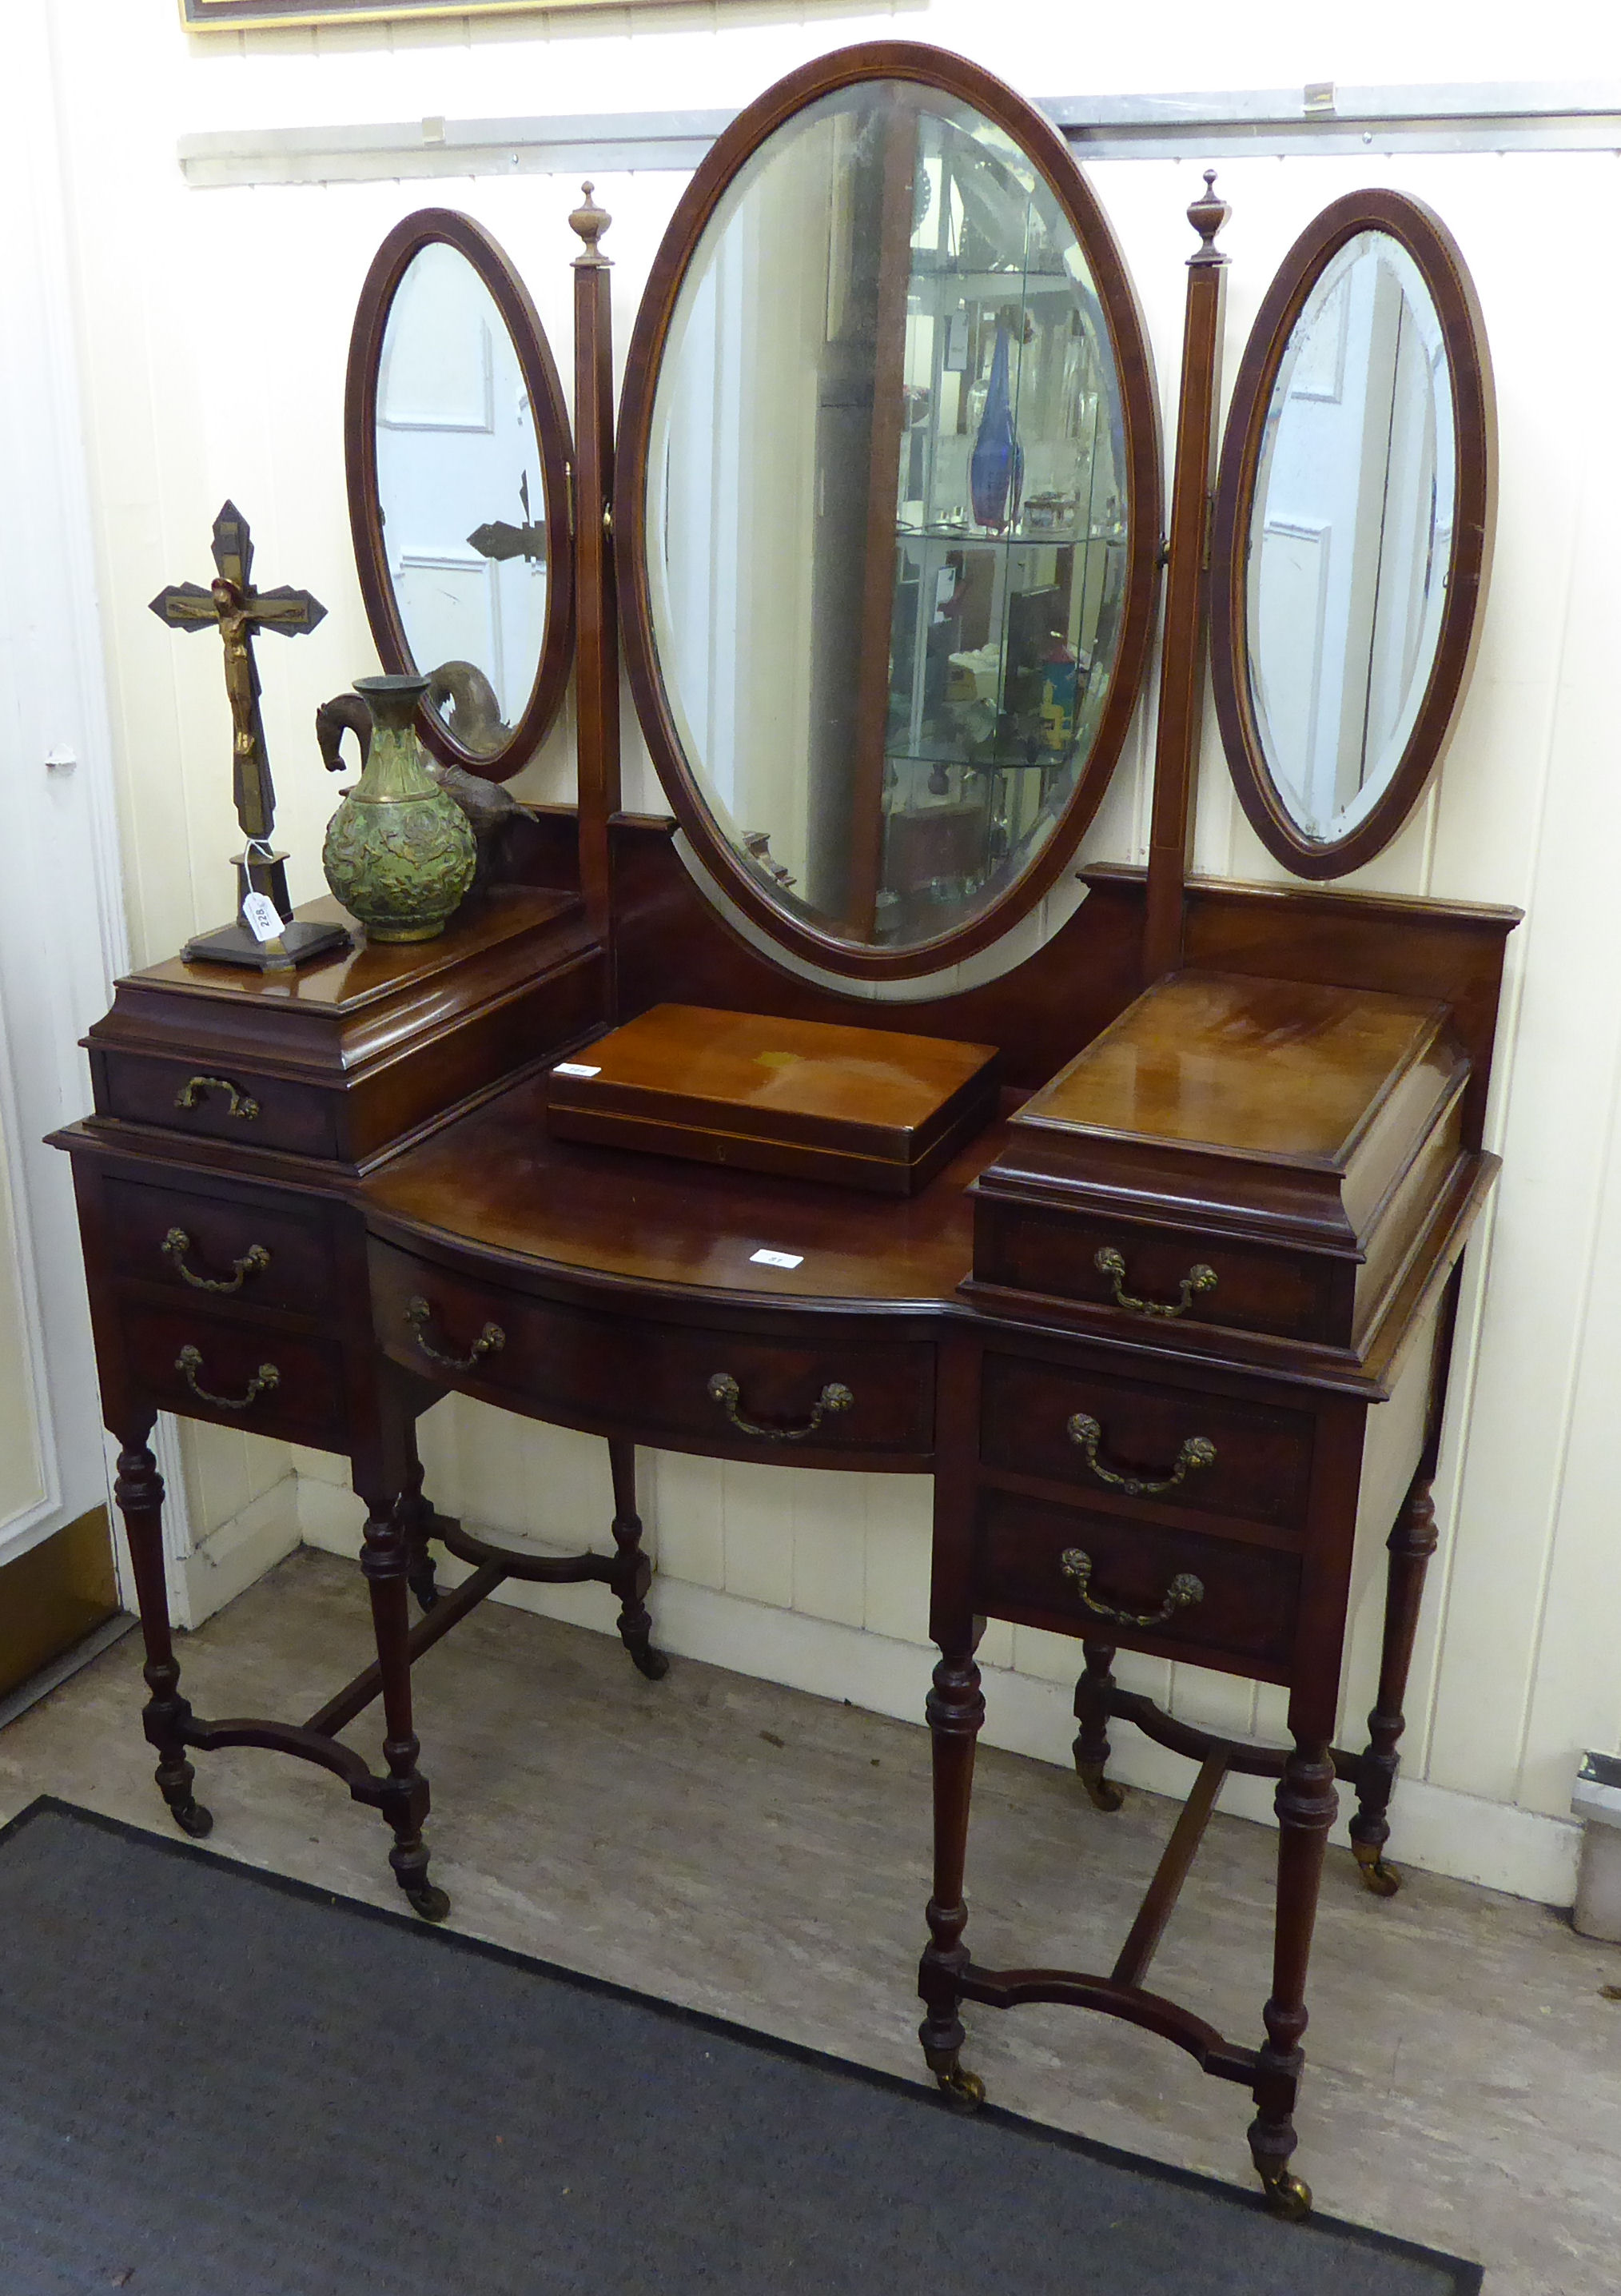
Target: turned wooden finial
pixel 1207 216
pixel 591 221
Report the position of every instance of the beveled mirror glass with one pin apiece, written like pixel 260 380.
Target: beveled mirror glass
pixel 1356 551
pixel 895 485
pixel 458 444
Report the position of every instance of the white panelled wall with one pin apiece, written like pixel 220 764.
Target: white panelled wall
pixel 213 332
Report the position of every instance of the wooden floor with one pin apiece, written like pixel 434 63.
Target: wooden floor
pixel 762 1855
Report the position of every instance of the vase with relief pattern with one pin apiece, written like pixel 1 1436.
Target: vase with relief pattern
pixel 399 851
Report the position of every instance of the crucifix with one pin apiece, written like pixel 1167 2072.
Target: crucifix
pixel 232 606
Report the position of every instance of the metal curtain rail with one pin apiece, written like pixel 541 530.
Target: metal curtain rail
pixel 1542 116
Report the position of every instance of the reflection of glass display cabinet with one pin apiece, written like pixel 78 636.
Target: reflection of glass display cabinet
pixel 993 458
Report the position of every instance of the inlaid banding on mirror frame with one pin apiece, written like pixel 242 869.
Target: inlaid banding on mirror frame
pixel 888 510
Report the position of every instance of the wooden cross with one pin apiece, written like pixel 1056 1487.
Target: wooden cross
pixel 232 605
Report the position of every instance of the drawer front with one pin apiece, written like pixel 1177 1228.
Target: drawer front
pixel 1207 1454
pixel 249 1251
pixel 211 1367
pixel 1295 1297
pixel 1246 1596
pixel 216 1104
pixel 722 1390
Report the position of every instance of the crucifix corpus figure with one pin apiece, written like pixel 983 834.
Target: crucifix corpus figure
pixel 232 606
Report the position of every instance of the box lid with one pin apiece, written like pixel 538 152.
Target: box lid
pixel 875 1092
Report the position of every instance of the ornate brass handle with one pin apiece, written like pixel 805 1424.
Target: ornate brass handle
pixel 254 1261
pixel 724 1390
pixel 1184 1591
pixel 1199 1278
pixel 188 1363
pixel 490 1340
pixel 1198 1451
pixel 242 1104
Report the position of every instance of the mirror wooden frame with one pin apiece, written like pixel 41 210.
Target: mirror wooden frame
pixel 1441 266
pixel 443 226
pixel 949 76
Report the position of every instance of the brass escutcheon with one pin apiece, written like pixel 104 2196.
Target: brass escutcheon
pixel 188 1363
pixel 490 1340
pixel 1085 1431
pixel 1184 1591
pixel 254 1261
pixel 242 1104
pixel 724 1390
pixel 1199 1278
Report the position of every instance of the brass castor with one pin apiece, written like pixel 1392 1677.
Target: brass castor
pixel 429 1901
pixel 191 1818
pixel 1103 1792
pixel 1288 2196
pixel 962 2092
pixel 1384 1880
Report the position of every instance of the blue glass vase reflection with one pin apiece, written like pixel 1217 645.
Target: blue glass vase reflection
pixel 996 472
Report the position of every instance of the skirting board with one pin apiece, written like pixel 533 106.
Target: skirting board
pixel 1435 1829
pixel 229 1560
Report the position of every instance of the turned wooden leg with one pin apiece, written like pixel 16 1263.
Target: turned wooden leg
pixel 632 1572
pixel 404 1801
pixel 955 1709
pixel 138 1490
pixel 1306 1806
pixel 416 1514
pixel 1092 1739
pixel 1412 1543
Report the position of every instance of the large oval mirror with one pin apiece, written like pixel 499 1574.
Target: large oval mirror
pixel 458 461
pixel 888 509
pixel 1353 532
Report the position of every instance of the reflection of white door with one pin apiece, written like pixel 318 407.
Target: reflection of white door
pixel 61 928
pixel 455 452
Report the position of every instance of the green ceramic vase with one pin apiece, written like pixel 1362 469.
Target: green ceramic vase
pixel 399 851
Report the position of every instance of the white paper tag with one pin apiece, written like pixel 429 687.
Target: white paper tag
pixel 261 917
pixel 778 1259
pixel 574 1068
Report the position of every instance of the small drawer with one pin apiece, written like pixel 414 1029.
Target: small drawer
pixel 211 1367
pixel 1154 1277
pixel 1147 1445
pixel 1214 1600
pixel 697 1386
pixel 217 1103
pixel 251 1249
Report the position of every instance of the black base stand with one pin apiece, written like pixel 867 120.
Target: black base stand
pixel 266 872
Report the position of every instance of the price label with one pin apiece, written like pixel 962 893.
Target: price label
pixel 778 1259
pixel 574 1068
pixel 262 917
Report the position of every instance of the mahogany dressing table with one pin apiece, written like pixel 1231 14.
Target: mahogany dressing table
pixel 1172 1333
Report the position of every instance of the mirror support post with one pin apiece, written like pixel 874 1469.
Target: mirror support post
pixel 597 650
pixel 1181 666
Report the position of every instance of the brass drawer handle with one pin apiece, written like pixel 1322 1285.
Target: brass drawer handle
pixel 188 1363
pixel 490 1340
pixel 1184 1591
pixel 254 1261
pixel 1199 1278
pixel 242 1104
pixel 724 1390
pixel 1198 1451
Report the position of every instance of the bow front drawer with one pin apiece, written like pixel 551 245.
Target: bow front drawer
pixel 211 1366
pixel 1216 1602
pixel 695 1387
pixel 1148 1445
pixel 249 1249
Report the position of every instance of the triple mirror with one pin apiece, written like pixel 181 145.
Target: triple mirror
pixel 888 519
pixel 458 461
